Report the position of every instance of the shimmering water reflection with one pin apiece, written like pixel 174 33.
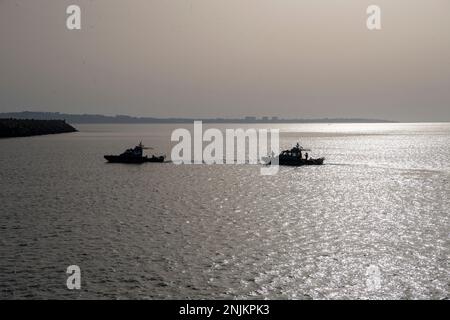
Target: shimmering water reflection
pixel 223 231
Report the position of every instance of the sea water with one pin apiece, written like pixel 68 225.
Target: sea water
pixel 379 206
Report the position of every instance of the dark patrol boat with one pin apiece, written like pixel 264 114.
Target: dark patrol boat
pixel 294 157
pixel 135 155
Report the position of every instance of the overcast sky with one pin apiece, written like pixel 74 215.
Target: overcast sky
pixel 228 58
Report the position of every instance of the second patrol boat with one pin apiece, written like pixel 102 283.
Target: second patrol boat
pixel 294 157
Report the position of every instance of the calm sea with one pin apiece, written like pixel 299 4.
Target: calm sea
pixel 371 223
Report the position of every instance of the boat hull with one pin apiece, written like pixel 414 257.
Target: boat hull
pixel 134 160
pixel 296 162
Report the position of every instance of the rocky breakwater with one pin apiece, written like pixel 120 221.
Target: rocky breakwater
pixel 29 127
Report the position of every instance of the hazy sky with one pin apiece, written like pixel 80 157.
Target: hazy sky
pixel 228 58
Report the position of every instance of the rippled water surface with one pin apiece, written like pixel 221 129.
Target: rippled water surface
pixel 162 231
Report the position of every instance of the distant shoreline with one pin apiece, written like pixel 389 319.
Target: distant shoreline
pixel 123 119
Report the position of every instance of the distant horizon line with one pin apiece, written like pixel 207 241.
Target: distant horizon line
pixel 118 118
